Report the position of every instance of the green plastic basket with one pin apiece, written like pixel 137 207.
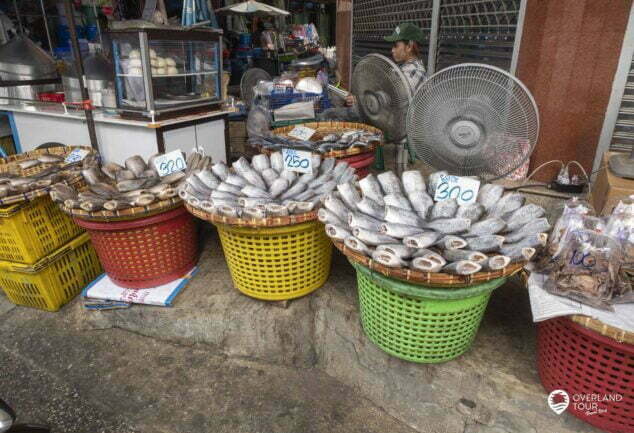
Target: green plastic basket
pixel 417 323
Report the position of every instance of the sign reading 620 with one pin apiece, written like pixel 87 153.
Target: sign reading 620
pixel 169 163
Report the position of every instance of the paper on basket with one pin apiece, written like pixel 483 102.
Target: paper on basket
pixel 296 111
pixel 104 288
pixel 545 305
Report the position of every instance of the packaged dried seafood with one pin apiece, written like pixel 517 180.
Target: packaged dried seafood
pixel 587 268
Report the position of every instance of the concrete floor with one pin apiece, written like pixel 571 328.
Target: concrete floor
pixel 113 381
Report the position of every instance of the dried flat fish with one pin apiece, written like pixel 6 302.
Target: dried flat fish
pixel 29 163
pixel 124 174
pixel 50 159
pixel 114 205
pixel 104 190
pixel 92 175
pixel 129 185
pixel 136 165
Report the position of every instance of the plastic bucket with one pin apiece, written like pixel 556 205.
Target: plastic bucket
pixel 420 324
pixel 146 252
pixel 277 263
pixel 593 369
pixel 361 163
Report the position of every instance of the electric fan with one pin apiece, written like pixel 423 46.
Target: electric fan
pixel 473 120
pixel 249 80
pixel 383 95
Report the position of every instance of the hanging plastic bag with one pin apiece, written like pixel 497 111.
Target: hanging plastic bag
pixel 587 268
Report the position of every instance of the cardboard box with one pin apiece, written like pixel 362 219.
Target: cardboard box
pixel 608 189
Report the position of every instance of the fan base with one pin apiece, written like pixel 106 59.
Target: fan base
pixel 622 165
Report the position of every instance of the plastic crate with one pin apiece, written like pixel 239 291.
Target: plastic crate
pixel 146 252
pixel 580 361
pixel 31 230
pixel 417 323
pixel 277 263
pixel 54 280
pixel 57 97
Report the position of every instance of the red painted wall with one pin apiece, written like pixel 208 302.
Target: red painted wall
pixel 568 58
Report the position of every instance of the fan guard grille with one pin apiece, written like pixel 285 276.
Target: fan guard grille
pixel 473 120
pixel 383 95
pixel 249 80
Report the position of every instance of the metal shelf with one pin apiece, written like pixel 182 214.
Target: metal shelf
pixel 187 74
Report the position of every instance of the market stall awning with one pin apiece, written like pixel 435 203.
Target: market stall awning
pixel 252 7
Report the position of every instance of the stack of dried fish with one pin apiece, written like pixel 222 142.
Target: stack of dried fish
pixel 13 183
pixel 334 141
pixel 397 223
pixel 114 187
pixel 263 188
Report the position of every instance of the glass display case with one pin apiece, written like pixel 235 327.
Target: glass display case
pixel 162 73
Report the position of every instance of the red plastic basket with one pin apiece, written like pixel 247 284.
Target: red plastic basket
pixel 583 362
pixel 361 163
pixel 146 252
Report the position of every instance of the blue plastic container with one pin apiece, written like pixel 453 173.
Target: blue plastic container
pixel 279 99
pixel 245 40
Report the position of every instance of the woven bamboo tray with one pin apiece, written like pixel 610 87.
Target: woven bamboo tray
pixel 609 331
pixel 128 214
pixel 429 279
pixel 10 165
pixel 252 222
pixel 325 128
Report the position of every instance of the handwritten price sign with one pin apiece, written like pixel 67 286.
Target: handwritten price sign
pixel 297 160
pixel 170 163
pixel 463 189
pixel 301 133
pixel 76 155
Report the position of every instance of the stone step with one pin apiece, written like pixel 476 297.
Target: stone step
pixel 492 388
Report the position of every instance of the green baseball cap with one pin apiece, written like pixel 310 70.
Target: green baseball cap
pixel 406 32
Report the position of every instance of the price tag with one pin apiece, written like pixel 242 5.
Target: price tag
pixel 169 163
pixel 76 155
pixel 297 160
pixel 463 189
pixel 301 133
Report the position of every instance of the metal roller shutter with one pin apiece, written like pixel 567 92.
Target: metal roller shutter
pixel 481 31
pixel 374 19
pixel 623 135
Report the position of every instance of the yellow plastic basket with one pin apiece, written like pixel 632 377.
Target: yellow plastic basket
pixel 277 263
pixel 54 280
pixel 31 230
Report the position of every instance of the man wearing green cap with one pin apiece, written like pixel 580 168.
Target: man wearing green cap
pixel 407 40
